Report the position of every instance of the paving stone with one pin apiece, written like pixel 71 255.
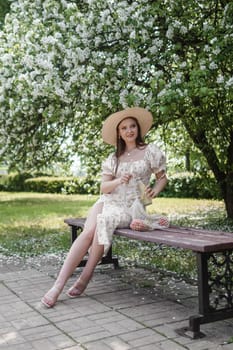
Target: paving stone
pixel 87 306
pixel 11 338
pixel 116 311
pixel 111 343
pixel 23 346
pixel 40 332
pixel 149 340
pixel 94 334
pixel 153 314
pixel 226 347
pixel 202 345
pixel 75 347
pixel 61 341
pixel 123 299
pixel 45 344
pixel 142 337
pixel 166 345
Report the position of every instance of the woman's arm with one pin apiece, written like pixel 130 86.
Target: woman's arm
pixel 161 182
pixel 108 183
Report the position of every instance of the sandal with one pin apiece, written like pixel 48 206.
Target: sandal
pixel 50 301
pixel 75 291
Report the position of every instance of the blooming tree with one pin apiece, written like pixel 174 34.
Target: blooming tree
pixel 4 8
pixel 65 65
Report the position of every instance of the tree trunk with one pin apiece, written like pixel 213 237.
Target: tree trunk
pixel 223 178
pixel 187 161
pixel 228 196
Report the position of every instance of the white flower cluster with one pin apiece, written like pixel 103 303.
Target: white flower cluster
pixel 58 58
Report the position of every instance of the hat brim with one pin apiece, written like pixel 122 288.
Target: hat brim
pixel 143 116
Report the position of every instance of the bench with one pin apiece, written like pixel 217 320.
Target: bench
pixel 214 253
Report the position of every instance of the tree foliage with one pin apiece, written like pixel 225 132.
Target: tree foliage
pixel 4 9
pixel 66 65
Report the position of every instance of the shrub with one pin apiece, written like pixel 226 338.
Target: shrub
pixel 181 185
pixel 190 185
pixel 65 185
pixel 14 181
pixel 45 184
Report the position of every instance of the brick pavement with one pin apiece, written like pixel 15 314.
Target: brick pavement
pixel 129 308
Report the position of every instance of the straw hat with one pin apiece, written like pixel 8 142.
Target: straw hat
pixel 143 117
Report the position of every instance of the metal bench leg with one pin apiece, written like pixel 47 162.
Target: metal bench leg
pixel 108 259
pixel 215 289
pixel 193 330
pixel 203 295
pixel 74 234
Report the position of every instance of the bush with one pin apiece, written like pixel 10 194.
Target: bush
pixel 45 184
pixel 14 182
pixel 181 185
pixel 20 182
pixel 65 185
pixel 190 185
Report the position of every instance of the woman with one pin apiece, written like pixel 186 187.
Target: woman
pixel 124 173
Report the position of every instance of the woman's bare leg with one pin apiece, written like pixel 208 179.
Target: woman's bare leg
pixel 110 220
pixel 77 251
pixel 94 257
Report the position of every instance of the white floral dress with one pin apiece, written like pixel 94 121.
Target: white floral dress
pixel 119 205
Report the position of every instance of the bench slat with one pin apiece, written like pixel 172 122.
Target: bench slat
pixel 198 240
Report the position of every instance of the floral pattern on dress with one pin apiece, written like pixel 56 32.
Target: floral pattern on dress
pixel 117 208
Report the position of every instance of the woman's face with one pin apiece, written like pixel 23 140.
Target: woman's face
pixel 128 130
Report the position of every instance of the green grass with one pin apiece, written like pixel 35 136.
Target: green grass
pixel 33 224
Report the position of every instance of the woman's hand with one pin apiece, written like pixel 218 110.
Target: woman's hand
pixel 161 181
pixel 150 192
pixel 124 179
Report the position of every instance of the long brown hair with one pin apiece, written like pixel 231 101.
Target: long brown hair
pixel 120 144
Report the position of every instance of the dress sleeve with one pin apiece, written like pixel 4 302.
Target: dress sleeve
pixel 156 158
pixel 108 166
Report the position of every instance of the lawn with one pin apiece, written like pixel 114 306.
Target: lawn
pixel 33 224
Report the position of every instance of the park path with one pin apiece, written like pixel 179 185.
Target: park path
pixel 129 308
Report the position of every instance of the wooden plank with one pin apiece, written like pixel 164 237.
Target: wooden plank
pixel 200 231
pixel 194 242
pixel 198 240
pixel 75 221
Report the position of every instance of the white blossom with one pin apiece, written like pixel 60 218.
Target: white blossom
pixel 162 93
pixel 122 99
pixel 207 48
pixel 183 64
pixel 133 35
pixel 220 79
pixel 175 58
pixel 178 78
pixel 48 40
pixel 183 30
pixel 180 92
pixel 212 41
pixel 170 32
pixel 158 73
pixel 229 82
pixel 213 65
pixel 6 58
pixel 206 27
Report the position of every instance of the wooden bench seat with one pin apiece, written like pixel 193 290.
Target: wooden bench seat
pixel 214 251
